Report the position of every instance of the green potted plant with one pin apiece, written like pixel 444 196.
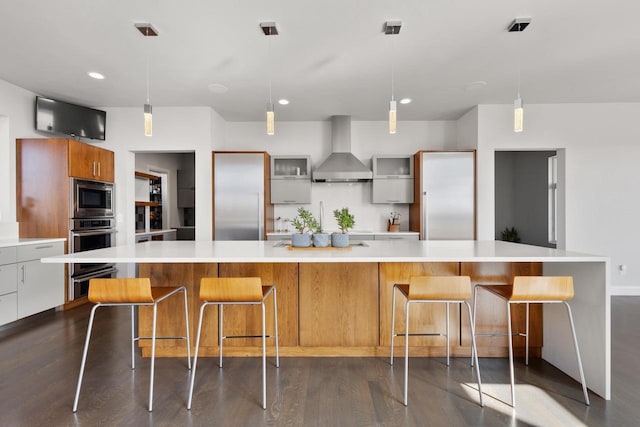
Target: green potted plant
pixel 302 223
pixel 345 221
pixel 510 235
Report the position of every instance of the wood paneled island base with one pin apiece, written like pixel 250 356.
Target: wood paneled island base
pixel 339 309
pixel 337 303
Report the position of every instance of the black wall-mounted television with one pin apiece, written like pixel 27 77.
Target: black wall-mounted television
pixel 69 119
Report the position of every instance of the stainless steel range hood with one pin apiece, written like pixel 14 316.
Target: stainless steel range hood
pixel 341 165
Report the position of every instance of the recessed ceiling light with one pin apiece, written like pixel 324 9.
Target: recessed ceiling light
pixel 283 101
pixel 218 88
pixel 405 101
pixel 95 75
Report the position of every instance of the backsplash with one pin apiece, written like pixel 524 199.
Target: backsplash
pixel 357 197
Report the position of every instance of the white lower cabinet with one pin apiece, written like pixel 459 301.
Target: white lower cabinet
pixel 28 286
pixel 8 308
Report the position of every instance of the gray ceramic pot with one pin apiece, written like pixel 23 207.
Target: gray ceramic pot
pixel 300 240
pixel 321 240
pixel 339 240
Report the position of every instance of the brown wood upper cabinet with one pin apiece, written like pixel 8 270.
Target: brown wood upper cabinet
pixel 90 162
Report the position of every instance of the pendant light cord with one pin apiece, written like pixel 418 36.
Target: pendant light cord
pixel 518 54
pixel 269 62
pixel 148 55
pixel 392 63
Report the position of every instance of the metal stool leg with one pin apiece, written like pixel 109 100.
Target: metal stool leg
pixel 133 340
pixel 474 353
pixel 406 352
pixel 275 320
pixel 393 320
pixel 84 357
pixel 447 323
pixel 526 355
pixel 475 299
pixel 153 356
pixel 220 329
pixel 575 342
pixel 195 357
pixel 510 338
pixel 186 325
pixel 264 360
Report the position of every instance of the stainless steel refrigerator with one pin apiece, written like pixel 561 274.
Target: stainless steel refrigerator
pixel 447 195
pixel 239 195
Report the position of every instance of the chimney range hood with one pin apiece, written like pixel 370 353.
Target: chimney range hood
pixel 341 165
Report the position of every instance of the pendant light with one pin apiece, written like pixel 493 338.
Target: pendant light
pixel 147 30
pixel 518 25
pixel 392 28
pixel 270 29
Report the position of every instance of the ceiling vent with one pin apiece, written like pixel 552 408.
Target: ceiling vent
pixel 392 27
pixel 146 29
pixel 269 28
pixel 519 25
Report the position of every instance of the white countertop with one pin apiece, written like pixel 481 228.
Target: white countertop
pixel 28 241
pixel 369 251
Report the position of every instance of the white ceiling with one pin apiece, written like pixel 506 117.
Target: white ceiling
pixel 331 56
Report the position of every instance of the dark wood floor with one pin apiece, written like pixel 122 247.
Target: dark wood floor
pixel 40 358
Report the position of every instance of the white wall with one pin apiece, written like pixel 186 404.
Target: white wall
pixel 16 121
pixel 601 153
pixel 367 138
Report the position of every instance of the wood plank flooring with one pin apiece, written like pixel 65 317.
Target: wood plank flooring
pixel 40 358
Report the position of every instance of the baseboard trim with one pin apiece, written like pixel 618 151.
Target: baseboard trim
pixel 625 291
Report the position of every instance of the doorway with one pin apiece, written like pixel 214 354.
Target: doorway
pixel 177 173
pixel 526 208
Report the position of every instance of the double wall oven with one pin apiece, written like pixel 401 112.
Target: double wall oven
pixel 91 226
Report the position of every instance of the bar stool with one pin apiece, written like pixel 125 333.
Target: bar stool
pixel 433 289
pixel 134 293
pixel 528 290
pixel 236 291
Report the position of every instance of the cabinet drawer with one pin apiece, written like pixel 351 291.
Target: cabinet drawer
pixel 392 190
pixel 8 308
pixel 30 252
pixel 8 255
pixel 391 236
pixel 360 236
pixel 8 278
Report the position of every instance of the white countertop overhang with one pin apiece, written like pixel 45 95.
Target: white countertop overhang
pixel 371 251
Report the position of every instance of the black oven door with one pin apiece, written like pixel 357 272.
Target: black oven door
pixel 89 240
pixel 79 285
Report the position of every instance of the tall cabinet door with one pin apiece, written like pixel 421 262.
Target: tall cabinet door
pixel 239 196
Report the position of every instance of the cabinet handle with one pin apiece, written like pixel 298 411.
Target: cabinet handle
pixel 94 168
pixel 44 247
pixel 98 168
pixel 23 275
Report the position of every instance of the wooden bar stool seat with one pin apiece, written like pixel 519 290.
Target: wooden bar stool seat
pixel 133 292
pixel 236 291
pixel 432 289
pixel 528 290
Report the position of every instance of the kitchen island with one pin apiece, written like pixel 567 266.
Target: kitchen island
pixel 338 302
